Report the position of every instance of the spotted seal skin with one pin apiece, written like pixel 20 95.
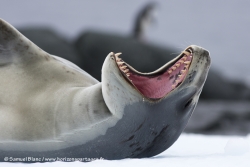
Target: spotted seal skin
pixel 50 108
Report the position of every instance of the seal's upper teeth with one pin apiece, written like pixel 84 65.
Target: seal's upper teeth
pixel 174 68
pixel 182 71
pixel 179 76
pixel 187 62
pixel 178 65
pixel 128 74
pixel 181 61
pixel 170 71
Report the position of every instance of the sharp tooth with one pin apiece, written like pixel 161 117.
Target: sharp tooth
pixel 118 59
pixel 181 61
pixel 118 54
pixel 173 86
pixel 179 76
pixel 184 58
pixel 173 68
pixel 176 81
pixel 123 67
pixel 182 71
pixel 187 62
pixel 125 71
pixel 170 71
pixel 128 74
pixel 177 64
pixel 120 63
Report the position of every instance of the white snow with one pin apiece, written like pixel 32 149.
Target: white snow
pixel 189 150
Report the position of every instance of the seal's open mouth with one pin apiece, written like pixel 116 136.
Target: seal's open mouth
pixel 159 83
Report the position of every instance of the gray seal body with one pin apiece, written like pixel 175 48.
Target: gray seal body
pixel 50 108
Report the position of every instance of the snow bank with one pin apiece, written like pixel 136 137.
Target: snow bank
pixel 189 150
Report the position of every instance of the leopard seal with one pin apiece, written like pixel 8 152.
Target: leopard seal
pixel 50 108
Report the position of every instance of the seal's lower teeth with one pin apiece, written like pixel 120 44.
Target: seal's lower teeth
pixel 120 63
pixel 118 54
pixel 126 70
pixel 123 67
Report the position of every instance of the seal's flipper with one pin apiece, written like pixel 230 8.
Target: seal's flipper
pixel 18 51
pixel 32 81
pixel 8 40
pixel 15 48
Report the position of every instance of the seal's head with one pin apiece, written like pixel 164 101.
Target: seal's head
pixel 187 71
pixel 164 98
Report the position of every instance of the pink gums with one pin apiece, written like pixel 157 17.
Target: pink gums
pixel 158 86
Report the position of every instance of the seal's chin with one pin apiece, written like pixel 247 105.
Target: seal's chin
pixel 159 83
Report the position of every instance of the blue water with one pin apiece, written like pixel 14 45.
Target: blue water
pixel 222 27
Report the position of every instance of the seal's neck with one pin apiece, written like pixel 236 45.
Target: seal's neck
pixel 83 104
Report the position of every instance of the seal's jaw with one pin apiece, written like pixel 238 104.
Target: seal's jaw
pixel 160 83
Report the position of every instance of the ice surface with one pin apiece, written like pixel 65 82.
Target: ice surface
pixel 237 146
pixel 189 150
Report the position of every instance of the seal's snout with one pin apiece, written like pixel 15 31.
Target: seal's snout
pixel 197 50
pixel 205 52
pixel 201 57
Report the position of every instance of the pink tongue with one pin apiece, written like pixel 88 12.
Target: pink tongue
pixel 158 86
